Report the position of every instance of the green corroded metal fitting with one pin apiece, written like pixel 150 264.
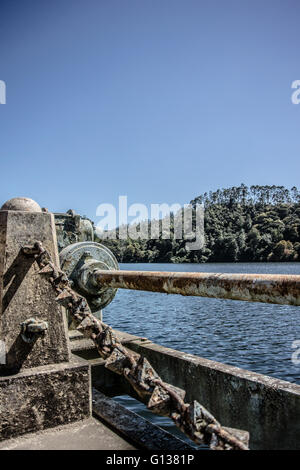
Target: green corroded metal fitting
pixel 72 228
pixel 80 261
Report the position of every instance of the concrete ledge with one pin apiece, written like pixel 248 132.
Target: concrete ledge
pixel 89 434
pixel 268 408
pixel 44 397
pixel 132 426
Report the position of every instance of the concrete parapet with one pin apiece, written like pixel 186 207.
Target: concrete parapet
pixel 268 408
pixel 44 397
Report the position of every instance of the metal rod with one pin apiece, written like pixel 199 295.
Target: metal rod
pixel 267 288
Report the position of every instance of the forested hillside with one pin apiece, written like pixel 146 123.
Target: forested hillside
pixel 260 223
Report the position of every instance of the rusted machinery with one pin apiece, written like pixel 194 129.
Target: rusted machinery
pixel 34 287
pixel 94 272
pixel 90 279
pixel 38 370
pixel 161 398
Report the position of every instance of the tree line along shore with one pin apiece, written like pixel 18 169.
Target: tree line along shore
pixel 241 224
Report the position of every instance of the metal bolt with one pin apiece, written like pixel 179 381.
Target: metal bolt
pixel 32 328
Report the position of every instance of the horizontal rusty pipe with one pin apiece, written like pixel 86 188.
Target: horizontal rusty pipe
pixel 267 288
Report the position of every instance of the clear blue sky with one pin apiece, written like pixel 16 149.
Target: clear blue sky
pixel 159 100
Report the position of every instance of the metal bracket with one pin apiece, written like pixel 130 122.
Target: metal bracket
pixel 33 328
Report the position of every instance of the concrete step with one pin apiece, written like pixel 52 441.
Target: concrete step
pixel 89 434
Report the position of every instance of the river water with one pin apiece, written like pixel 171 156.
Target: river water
pixel 253 336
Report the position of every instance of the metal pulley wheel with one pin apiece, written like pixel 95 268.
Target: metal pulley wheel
pixel 79 261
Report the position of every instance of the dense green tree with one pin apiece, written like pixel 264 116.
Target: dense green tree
pixel 260 223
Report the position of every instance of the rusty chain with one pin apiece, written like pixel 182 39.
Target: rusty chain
pixel 162 398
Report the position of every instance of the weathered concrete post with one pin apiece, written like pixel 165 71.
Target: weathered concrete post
pixel 40 384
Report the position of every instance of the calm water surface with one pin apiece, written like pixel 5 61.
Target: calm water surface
pixel 254 336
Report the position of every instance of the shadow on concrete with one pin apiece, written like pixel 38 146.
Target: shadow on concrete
pixel 14 277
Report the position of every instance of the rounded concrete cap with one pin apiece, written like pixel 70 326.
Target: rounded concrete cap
pixel 21 204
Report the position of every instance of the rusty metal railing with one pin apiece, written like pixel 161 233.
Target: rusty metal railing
pixel 267 288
